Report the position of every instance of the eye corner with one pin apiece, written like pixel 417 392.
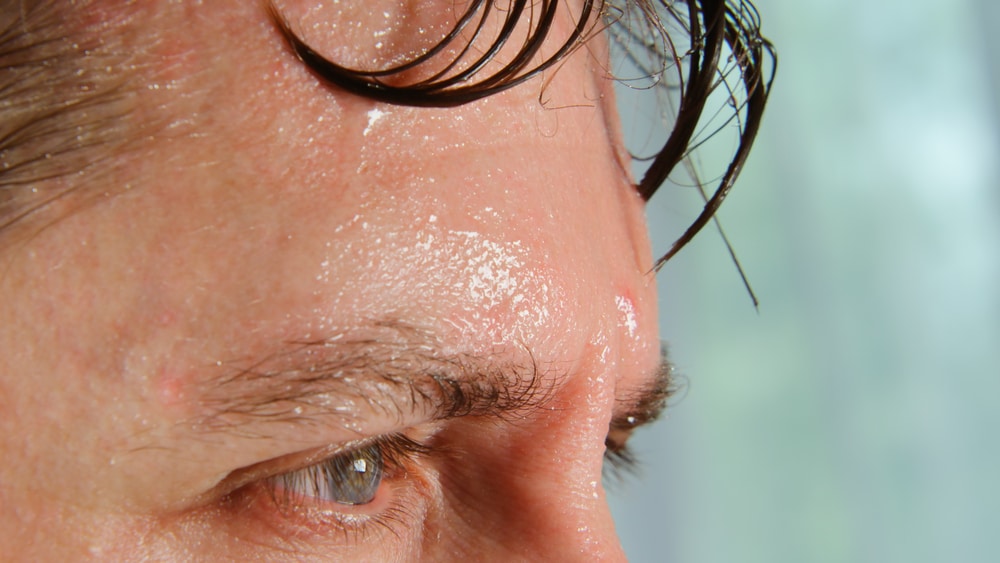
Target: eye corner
pixel 620 463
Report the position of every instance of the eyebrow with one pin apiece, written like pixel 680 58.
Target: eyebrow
pixel 399 372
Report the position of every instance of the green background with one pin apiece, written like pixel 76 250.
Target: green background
pixel 853 418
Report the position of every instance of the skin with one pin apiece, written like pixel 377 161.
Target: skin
pixel 266 208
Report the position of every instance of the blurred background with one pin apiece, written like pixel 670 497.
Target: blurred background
pixel 853 418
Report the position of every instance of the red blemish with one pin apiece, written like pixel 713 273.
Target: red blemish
pixel 171 389
pixel 167 318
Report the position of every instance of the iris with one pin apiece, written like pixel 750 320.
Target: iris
pixel 351 477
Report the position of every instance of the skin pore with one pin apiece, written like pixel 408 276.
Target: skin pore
pixel 283 272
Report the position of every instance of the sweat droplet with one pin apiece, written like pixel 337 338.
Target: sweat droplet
pixel 374 115
pixel 628 311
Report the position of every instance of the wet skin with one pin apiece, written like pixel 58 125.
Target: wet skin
pixel 285 271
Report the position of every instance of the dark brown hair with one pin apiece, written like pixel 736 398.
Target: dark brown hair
pixel 722 47
pixel 61 111
pixel 62 103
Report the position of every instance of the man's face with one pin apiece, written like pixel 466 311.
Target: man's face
pixel 285 274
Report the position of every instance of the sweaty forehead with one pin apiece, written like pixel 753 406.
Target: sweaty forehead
pixel 140 75
pixel 432 206
pixel 280 203
pixel 204 67
pixel 396 41
pixel 450 53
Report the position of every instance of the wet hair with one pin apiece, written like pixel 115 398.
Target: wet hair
pixel 686 50
pixel 62 110
pixel 62 105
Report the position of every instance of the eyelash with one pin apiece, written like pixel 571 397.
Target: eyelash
pixel 620 462
pixel 390 455
pixel 392 503
pixel 295 513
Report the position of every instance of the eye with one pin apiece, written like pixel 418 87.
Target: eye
pixel 369 490
pixel 355 477
pixel 619 462
pixel 349 478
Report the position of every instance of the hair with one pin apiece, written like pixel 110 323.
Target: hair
pixel 62 104
pixel 62 108
pixel 721 47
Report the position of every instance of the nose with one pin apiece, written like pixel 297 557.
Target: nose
pixel 585 533
pixel 564 523
pixel 566 514
pixel 532 491
pixel 553 523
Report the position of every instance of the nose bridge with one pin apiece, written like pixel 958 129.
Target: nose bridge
pixel 553 505
pixel 582 530
pixel 554 520
pixel 579 532
pixel 566 515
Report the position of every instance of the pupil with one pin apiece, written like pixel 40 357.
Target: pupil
pixel 353 477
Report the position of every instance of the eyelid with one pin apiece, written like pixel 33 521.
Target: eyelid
pixel 398 443
pixel 251 517
pixel 250 501
pixel 619 460
pixel 245 476
pixel 396 451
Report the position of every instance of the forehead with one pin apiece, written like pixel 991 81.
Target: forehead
pixel 462 201
pixel 140 73
pixel 438 60
pixel 243 149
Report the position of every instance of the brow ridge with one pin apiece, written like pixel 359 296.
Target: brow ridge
pixel 400 373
